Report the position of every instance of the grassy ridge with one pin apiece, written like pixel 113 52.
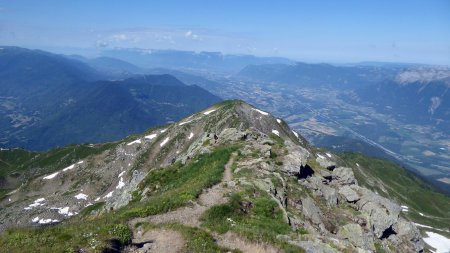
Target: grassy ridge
pixel 252 214
pixel 401 185
pixel 177 185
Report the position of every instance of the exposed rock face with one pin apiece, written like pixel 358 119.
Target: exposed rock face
pixel 348 193
pixel 324 202
pixel 355 234
pixel 343 176
pixel 311 211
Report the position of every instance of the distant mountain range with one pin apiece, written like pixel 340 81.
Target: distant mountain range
pixel 51 100
pixel 189 60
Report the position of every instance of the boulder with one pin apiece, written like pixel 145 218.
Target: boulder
pixel 343 176
pixel 348 194
pixel 329 194
pixel 296 158
pixel 409 232
pixel 355 235
pixel 311 211
pixel 383 213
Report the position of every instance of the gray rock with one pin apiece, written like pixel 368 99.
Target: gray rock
pixel 410 233
pixel 314 247
pixel 382 212
pixel 348 193
pixel 329 194
pixel 356 236
pixel 311 211
pixel 325 163
pixel 343 176
pixel 294 160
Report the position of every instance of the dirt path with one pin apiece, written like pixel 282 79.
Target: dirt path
pixel 157 241
pixel 233 241
pixel 190 215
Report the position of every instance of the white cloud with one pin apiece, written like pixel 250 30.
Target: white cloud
pixel 120 37
pixel 191 35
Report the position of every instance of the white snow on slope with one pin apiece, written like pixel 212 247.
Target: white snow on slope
pixel 121 184
pixel 81 196
pixel 80 162
pixel 121 174
pixel 149 137
pixel 437 241
pixel 36 203
pixel 276 132
pixel 262 112
pixel 63 211
pixel 69 167
pixel 405 208
pixel 134 142
pixel 164 142
pixel 47 221
pixel 328 154
pixel 320 156
pixel 51 176
pixel 210 111
pixel 163 131
pixel 295 133
pixel 109 195
pixel 186 122
pixel 191 135
pixel 279 121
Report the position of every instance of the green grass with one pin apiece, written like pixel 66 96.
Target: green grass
pixel 176 185
pixel 69 236
pixel 404 187
pixel 253 214
pixel 28 164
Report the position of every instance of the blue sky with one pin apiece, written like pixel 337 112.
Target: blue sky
pixel 314 31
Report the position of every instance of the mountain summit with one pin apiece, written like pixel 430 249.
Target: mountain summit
pixel 231 177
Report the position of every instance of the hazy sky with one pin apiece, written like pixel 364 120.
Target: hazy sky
pixel 333 31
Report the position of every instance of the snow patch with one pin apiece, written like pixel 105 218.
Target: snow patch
pixel 421 214
pixel 163 131
pixel 262 112
pixel 186 122
pixel 69 167
pixel 405 208
pixel 164 142
pixel 36 219
pixel 121 174
pixel 97 199
pixel 210 111
pixel 149 137
pixel 279 121
pixel 295 133
pixel 51 176
pixel 191 135
pixel 437 241
pixel 81 196
pixel 276 132
pixel 63 211
pixel 80 162
pixel 47 221
pixel 138 141
pixel 320 156
pixel 109 195
pixel 328 154
pixel 357 164
pixel 36 203
pixel 121 184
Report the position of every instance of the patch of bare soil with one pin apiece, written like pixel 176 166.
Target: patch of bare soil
pixel 156 241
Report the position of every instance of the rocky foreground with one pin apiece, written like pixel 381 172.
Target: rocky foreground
pixel 275 193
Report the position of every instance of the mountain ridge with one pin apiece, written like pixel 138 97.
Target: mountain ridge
pixel 272 176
